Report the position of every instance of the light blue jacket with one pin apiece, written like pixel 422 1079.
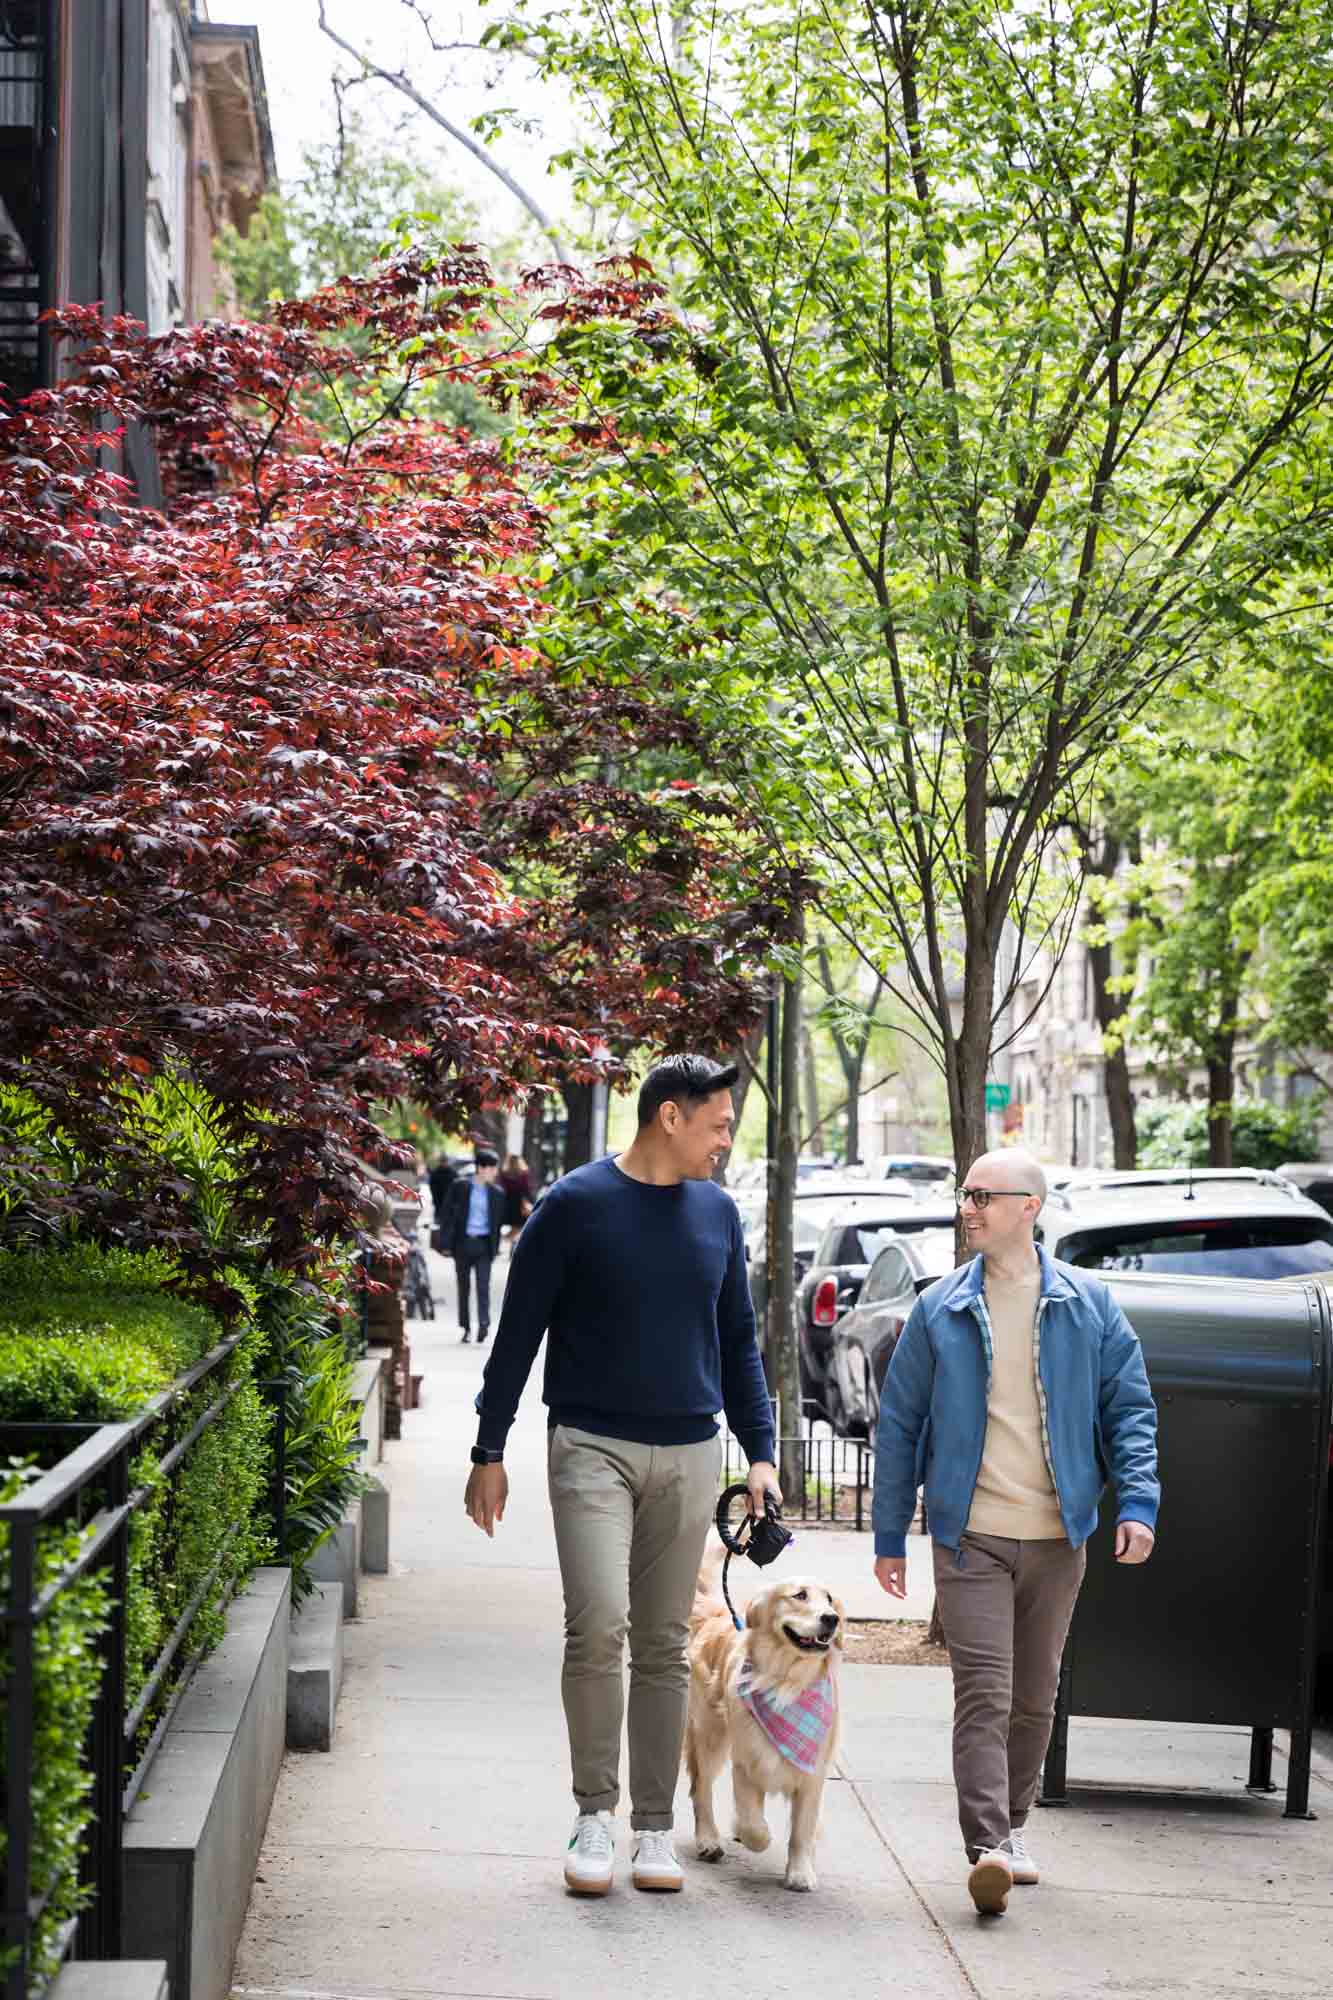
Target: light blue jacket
pixel 1098 1415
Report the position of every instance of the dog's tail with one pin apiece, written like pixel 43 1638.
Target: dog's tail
pixel 708 1587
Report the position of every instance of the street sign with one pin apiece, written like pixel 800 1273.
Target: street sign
pixel 997 1096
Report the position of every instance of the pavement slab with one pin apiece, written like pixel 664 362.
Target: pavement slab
pixel 420 1857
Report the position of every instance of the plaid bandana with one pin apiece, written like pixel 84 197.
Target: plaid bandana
pixel 796 1728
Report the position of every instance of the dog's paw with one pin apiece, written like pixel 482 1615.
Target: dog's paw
pixel 799 1875
pixel 753 1834
pixel 709 1850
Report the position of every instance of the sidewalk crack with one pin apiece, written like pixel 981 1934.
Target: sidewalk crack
pixel 951 1950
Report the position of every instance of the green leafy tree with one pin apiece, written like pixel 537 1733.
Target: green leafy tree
pixel 1198 797
pixel 982 402
pixel 353 203
pixel 1177 1135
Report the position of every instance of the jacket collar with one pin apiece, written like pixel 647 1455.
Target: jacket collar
pixel 972 1279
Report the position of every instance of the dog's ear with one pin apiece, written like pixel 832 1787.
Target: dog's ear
pixel 757 1607
pixel 839 1637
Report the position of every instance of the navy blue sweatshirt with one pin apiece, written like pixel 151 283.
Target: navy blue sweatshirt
pixel 643 1293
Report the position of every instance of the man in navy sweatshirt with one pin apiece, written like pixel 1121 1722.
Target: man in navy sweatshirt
pixel 635 1269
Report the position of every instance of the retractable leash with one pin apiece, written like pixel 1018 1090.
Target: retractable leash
pixel 763 1544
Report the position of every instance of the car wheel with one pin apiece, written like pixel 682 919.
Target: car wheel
pixel 853 1386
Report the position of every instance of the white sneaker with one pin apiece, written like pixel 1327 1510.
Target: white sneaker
pixel 655 1863
pixel 1024 1866
pixel 591 1855
pixel 990 1881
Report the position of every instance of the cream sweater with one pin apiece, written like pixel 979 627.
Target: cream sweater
pixel 1014 1496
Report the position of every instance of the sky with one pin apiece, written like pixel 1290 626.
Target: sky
pixel 299 63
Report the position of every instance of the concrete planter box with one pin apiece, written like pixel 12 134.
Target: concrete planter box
pixel 315 1673
pixel 112 1979
pixel 192 1841
pixel 369 1388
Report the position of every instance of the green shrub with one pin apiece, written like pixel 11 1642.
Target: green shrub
pixel 73 1349
pixel 1176 1135
pixel 323 1451
pixel 66 1672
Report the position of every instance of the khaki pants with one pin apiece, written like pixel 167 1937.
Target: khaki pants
pixel 1005 1607
pixel 630 1525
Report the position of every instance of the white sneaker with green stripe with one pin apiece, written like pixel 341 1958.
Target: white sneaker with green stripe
pixel 590 1858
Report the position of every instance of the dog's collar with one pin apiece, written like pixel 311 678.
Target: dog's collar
pixel 797 1727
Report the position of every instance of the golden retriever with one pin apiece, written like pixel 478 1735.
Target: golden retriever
pixel 780 1673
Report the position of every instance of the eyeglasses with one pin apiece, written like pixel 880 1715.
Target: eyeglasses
pixel 983 1197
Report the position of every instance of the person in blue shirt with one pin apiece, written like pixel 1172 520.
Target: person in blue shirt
pixel 473 1217
pixel 634 1269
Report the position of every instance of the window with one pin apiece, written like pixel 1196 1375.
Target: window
pixel 890 1278
pixel 1221 1248
pixel 21 96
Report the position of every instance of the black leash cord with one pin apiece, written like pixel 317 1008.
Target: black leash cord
pixel 762 1538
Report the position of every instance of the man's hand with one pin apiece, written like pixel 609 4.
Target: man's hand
pixel 762 1478
pixel 891 1574
pixel 487 1492
pixel 1133 1542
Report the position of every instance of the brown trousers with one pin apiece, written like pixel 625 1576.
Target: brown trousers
pixel 1005 1607
pixel 630 1523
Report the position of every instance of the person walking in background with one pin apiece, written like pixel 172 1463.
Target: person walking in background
pixel 441 1178
pixel 635 1267
pixel 516 1185
pixel 1016 1386
pixel 473 1216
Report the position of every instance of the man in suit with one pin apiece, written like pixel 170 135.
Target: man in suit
pixel 473 1217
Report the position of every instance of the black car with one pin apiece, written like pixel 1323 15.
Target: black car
pixel 854 1233
pixel 814 1205
pixel 861 1344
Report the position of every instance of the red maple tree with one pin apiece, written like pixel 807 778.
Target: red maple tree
pixel 290 798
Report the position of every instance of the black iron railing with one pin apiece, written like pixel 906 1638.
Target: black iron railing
pixel 836 1475
pixel 91 1487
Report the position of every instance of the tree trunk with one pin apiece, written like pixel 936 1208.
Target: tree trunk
pixel 1221 1084
pixel 811 1082
pixel 1109 1009
pixel 785 1356
pixel 852 1150
pixel 578 1127
pixel 745 1057
pixel 967 1056
pixel 534 1116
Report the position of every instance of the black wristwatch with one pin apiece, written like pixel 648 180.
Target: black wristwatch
pixel 480 1456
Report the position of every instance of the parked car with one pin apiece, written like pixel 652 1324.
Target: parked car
pixel 1313 1178
pixel 815 1203
pixel 928 1171
pixel 1073 1183
pixel 1217 1228
pixel 853 1234
pixel 861 1345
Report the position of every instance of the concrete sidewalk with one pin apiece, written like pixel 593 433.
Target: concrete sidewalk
pixel 422 1855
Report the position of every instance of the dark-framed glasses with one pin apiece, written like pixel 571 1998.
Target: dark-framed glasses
pixel 983 1197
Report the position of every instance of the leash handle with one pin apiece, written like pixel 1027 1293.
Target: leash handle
pixel 736 1544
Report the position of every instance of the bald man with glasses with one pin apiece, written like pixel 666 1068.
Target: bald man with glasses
pixel 1017 1387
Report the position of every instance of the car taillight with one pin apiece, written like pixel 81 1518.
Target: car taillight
pixel 825 1308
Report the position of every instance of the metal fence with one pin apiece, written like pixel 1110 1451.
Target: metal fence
pixel 90 1488
pixel 836 1475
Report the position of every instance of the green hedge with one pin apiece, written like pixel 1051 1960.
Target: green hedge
pixel 65 1688
pixel 92 1336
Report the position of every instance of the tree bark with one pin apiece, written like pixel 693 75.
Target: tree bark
pixel 1221 1085
pixel 745 1057
pixel 811 1082
pixel 1109 1009
pixel 785 1357
pixel 578 1126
